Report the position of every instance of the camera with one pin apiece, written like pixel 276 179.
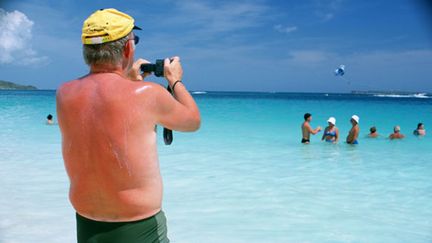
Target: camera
pixel 157 68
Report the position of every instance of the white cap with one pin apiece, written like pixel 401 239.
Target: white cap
pixel 332 120
pixel 356 118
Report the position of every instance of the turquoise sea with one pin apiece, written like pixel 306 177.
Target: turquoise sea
pixel 244 176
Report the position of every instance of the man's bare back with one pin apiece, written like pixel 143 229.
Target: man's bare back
pixel 107 121
pixel 109 145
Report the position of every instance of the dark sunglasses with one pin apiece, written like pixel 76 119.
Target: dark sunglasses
pixel 136 39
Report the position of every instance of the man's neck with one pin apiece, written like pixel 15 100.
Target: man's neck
pixel 106 69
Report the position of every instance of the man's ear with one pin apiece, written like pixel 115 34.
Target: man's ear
pixel 128 49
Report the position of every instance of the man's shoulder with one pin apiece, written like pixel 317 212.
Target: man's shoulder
pixel 65 87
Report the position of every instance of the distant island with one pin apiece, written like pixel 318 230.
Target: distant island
pixel 14 86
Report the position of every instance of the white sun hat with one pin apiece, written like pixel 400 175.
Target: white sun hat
pixel 332 120
pixel 356 118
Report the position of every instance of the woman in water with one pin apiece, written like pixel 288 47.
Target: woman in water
pixel 420 131
pixel 331 133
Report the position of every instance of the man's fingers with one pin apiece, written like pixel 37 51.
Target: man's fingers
pixel 135 70
pixel 175 58
pixel 137 64
pixel 141 61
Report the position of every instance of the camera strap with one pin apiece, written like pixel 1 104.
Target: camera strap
pixel 167 133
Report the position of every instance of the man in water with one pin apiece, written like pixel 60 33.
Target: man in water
pixel 50 120
pixel 396 133
pixel 420 131
pixel 355 130
pixel 307 129
pixel 373 132
pixel 107 121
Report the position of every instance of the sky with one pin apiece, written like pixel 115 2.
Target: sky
pixel 255 45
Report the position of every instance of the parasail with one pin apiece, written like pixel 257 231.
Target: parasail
pixel 340 71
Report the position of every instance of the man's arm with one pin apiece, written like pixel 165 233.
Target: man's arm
pixel 350 136
pixel 317 130
pixel 355 135
pixel 323 136
pixel 180 113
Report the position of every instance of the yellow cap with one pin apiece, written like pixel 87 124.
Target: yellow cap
pixel 106 25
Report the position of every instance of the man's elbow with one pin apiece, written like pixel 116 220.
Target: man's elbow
pixel 195 123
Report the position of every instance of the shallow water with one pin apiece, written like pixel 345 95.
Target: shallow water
pixel 244 177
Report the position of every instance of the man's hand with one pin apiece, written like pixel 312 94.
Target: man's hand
pixel 134 73
pixel 173 70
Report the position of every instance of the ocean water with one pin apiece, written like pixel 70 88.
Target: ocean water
pixel 244 176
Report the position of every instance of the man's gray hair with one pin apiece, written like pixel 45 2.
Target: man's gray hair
pixel 105 53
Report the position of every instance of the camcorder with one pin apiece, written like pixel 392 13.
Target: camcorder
pixel 158 70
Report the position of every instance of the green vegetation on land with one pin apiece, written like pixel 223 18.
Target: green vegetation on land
pixel 10 85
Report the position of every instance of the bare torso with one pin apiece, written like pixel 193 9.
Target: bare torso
pixel 306 130
pixel 109 147
pixel 396 135
pixel 353 134
pixel 373 135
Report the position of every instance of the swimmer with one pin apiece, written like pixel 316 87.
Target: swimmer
pixel 355 130
pixel 307 129
pixel 420 131
pixel 373 132
pixel 331 132
pixel 396 133
pixel 50 120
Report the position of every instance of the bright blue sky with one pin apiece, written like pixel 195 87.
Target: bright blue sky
pixel 254 45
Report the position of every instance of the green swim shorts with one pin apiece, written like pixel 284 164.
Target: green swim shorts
pixel 152 229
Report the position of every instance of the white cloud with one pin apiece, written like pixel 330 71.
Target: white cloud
pixel 285 29
pixel 326 9
pixel 16 39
